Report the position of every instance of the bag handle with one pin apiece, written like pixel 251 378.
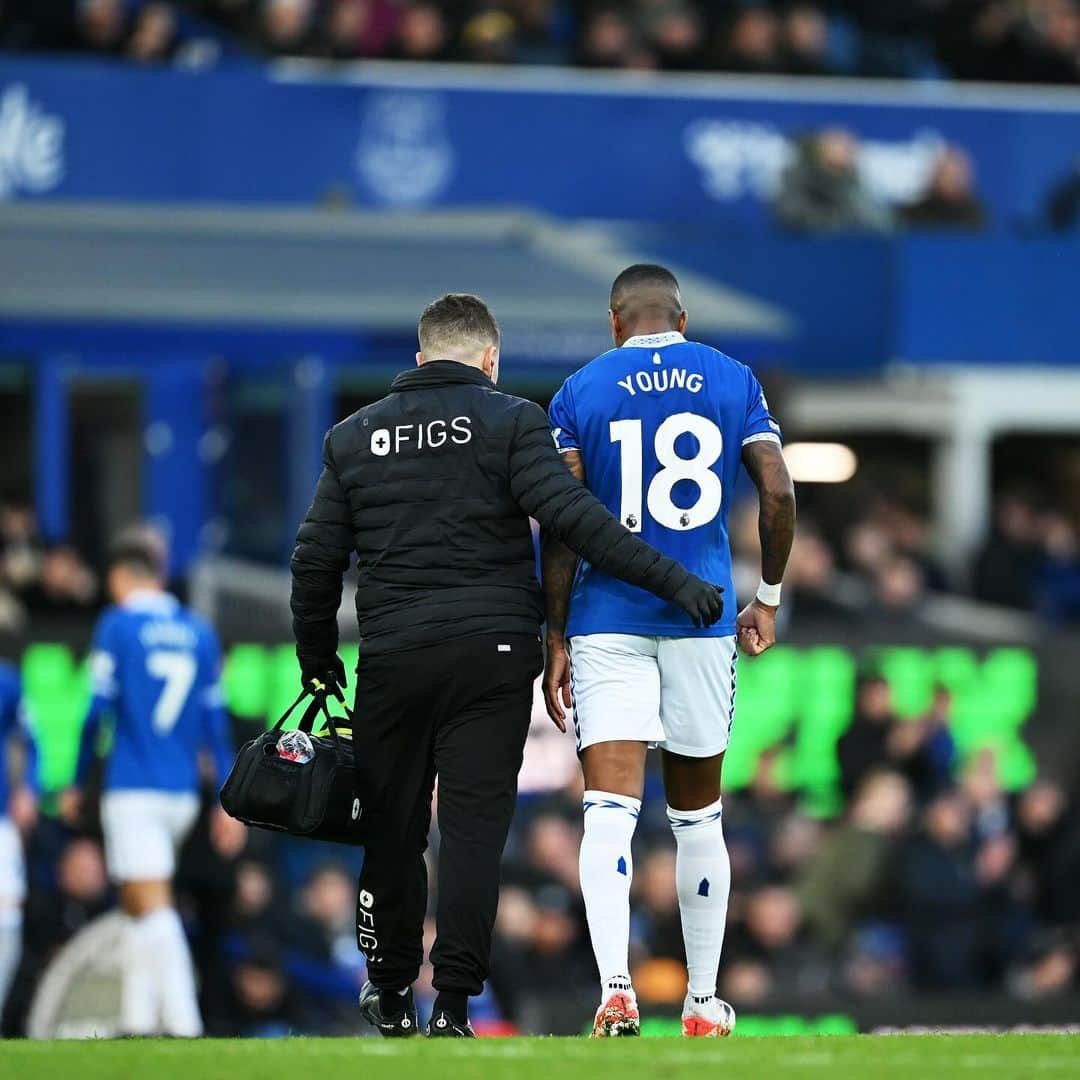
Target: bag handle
pixel 317 705
pixel 289 711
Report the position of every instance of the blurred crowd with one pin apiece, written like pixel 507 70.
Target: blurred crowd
pixel 933 880
pixel 824 188
pixel 1007 40
pixel 876 559
pixel 35 576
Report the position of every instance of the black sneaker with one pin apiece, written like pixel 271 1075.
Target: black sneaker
pixel 393 1027
pixel 443 1026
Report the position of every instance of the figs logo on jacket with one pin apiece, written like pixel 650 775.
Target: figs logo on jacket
pixel 31 145
pixel 430 436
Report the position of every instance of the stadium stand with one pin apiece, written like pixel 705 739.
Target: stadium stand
pixel 1035 41
pixel 900 788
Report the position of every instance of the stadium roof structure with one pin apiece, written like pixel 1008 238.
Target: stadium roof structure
pixel 339 271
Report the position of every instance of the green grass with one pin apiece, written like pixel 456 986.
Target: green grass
pixel 863 1057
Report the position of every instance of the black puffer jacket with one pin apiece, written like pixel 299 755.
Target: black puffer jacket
pixel 433 487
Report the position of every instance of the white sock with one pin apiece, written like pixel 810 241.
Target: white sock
pixel 140 1007
pixel 10 950
pixel 179 998
pixel 607 868
pixel 703 879
pixel 159 981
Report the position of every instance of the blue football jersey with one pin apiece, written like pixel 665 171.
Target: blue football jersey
pixel 660 424
pixel 155 667
pixel 13 724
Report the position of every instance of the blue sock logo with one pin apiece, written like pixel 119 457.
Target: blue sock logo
pixel 703 888
pixel 620 866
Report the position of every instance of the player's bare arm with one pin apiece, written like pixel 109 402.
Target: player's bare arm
pixel 558 566
pixel 765 463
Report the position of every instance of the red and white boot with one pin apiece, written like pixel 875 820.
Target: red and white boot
pixel 618 1015
pixel 712 1019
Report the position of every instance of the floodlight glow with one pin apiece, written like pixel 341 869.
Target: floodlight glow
pixel 820 463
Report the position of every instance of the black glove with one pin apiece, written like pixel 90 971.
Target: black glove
pixel 704 603
pixel 323 676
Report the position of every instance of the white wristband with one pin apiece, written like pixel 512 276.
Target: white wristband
pixel 769 594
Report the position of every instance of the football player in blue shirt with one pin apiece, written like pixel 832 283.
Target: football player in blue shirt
pixel 18 811
pixel 155 668
pixel 658 428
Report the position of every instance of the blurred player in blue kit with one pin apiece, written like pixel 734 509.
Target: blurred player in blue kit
pixel 155 668
pixel 658 429
pixel 18 812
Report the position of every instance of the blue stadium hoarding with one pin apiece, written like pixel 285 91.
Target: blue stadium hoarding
pixel 572 144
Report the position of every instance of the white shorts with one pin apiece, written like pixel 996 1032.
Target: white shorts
pixel 678 693
pixel 144 830
pixel 12 867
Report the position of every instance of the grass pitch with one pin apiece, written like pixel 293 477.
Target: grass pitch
pixel 834 1057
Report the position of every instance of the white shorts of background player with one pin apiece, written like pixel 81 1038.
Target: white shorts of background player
pixel 144 831
pixel 676 693
pixel 12 869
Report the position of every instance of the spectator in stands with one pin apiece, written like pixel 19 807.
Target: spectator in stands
pixel 921 749
pixel 545 31
pixel 354 28
pixel 991 811
pixel 899 588
pixel 153 38
pixel 101 25
pixel 656 929
pixel 1057 573
pixel 65 581
pixel 852 877
pixel 610 40
pixel 795 842
pixel 287 27
pixel 811 585
pixel 80 894
pixel 925 747
pixel 864 747
pixel 675 32
pixel 489 37
pixel 752 43
pixel 821 191
pixel 1005 567
pixel 423 33
pixel 771 952
pixel 34 576
pixel 260 907
pixel 949 201
pixel 328 901
pixel 554 845
pixel 263 1004
pixel 805 41
pixel 894 37
pixel 1046 43
pixel 20 557
pixel 954 898
pixel 544 951
pixel 1048 828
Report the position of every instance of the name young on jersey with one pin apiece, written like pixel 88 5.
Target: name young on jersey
pixel 661 379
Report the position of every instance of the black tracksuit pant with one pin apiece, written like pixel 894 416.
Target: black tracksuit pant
pixel 460 711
